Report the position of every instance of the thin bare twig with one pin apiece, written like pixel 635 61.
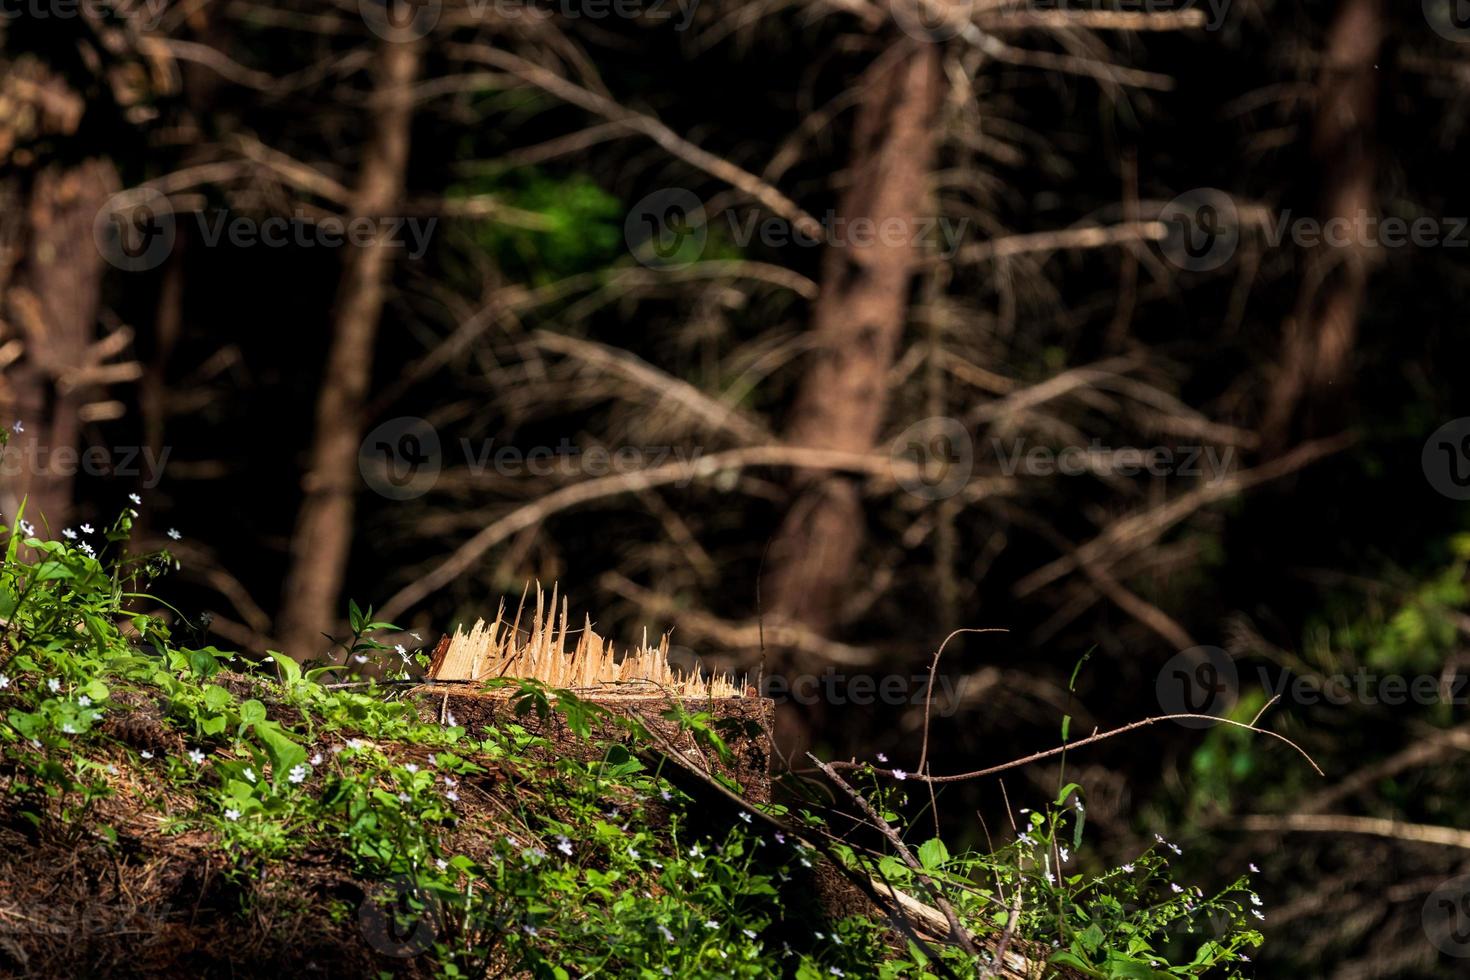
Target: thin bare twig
pixel 1098 737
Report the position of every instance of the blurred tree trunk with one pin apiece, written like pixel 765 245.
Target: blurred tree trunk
pixel 1310 389
pixel 323 539
pixel 51 302
pixel 858 321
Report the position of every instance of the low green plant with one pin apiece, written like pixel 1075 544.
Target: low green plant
pixel 502 853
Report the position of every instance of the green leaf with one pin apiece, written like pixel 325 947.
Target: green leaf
pixel 203 662
pixel 284 753
pixel 1065 792
pixel 933 854
pixel 251 712
pixel 290 669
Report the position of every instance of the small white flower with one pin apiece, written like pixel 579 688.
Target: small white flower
pixel 250 774
pixel 564 845
pixel 1128 868
pixel 749 933
pixel 529 930
pixel 400 650
pixel 361 658
pixel 297 773
pixel 135 498
pixel 441 864
pixel 1176 848
pixel 745 816
pixel 1175 888
pixel 696 873
pixel 449 719
pixel 451 782
pixel 232 814
pixel 196 757
pixel 665 795
pixel 433 759
pixel 1051 879
pixel 403 797
pixel 900 775
pixel 316 760
pixel 27 528
pixel 146 754
pixel 173 532
pixel 68 728
pixel 1257 914
pixel 668 937
pixel 69 534
pixel 416 637
pixel 18 427
pixel 1255 869
pixel 4 682
pixel 780 837
pixel 633 853
pixel 1064 854
pixel 711 924
pixel 836 972
pixel 696 851
pixel 86 529
pixel 411 767
pixel 1255 900
pixel 882 757
pixel 452 796
pixel 54 684
pixel 84 701
pixel 87 550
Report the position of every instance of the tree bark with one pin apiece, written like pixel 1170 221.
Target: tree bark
pixel 858 321
pixel 51 306
pixel 322 542
pixel 1309 390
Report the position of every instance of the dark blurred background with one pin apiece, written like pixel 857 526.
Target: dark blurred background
pixel 812 332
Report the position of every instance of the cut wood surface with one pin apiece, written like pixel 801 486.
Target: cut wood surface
pixel 502 648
